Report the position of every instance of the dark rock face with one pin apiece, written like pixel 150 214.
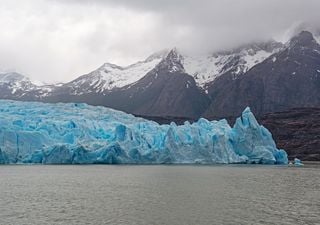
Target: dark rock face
pixel 297 131
pixel 166 91
pixel 288 79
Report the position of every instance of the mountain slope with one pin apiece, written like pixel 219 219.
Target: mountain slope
pixel 297 131
pixel 110 76
pixel 266 76
pixel 166 91
pixel 206 68
pixel 14 84
pixel 287 79
pixel 176 86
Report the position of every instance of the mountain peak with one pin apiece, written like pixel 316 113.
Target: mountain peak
pixel 173 62
pixel 174 55
pixel 12 77
pixel 110 66
pixel 304 38
pixel 158 55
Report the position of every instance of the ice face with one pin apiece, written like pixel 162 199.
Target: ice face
pixel 33 132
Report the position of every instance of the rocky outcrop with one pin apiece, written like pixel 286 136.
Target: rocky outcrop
pixel 297 131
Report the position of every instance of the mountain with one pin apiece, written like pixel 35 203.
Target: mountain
pixel 206 68
pixel 110 76
pixel 167 83
pixel 167 90
pixel 287 79
pixel 14 84
pixel 267 76
pixel 164 90
pixel 203 68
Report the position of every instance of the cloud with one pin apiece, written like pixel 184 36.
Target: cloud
pixel 58 40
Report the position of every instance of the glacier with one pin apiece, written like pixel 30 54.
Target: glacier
pixel 73 133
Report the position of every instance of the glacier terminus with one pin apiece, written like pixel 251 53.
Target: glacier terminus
pixel 73 133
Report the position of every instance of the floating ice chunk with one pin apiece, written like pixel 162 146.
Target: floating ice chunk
pixel 297 162
pixel 33 132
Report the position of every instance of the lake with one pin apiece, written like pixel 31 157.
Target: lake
pixel 99 194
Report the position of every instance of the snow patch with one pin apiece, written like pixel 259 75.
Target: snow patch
pixel 110 76
pixel 206 68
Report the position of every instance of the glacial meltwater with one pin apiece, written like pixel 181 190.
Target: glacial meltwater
pixel 102 194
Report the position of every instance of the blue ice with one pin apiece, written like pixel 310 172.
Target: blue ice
pixel 32 132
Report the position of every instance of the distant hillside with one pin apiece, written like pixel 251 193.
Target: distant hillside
pixel 297 131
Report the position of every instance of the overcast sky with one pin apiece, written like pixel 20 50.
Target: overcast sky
pixel 58 40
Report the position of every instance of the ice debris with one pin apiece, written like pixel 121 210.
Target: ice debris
pixel 297 162
pixel 32 132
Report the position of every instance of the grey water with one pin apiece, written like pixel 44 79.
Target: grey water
pixel 172 195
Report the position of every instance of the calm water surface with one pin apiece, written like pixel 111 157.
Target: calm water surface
pixel 159 195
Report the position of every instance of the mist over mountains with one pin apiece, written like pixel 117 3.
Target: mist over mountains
pixel 267 76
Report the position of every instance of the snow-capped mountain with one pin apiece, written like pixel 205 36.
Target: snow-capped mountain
pixel 173 83
pixel 165 90
pixel 12 83
pixel 203 68
pixel 110 76
pixel 288 79
pixel 206 68
pixel 12 77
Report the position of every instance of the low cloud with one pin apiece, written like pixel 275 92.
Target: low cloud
pixel 58 40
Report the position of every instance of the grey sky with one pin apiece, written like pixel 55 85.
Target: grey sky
pixel 58 40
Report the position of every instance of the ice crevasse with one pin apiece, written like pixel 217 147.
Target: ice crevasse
pixel 73 133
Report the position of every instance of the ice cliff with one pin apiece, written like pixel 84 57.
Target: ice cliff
pixel 33 132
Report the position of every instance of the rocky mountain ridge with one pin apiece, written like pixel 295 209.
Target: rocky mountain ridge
pixel 267 76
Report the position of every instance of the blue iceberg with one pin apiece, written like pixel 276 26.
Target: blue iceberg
pixel 32 132
pixel 297 162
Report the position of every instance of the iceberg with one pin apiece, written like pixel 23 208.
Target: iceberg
pixel 73 133
pixel 297 162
